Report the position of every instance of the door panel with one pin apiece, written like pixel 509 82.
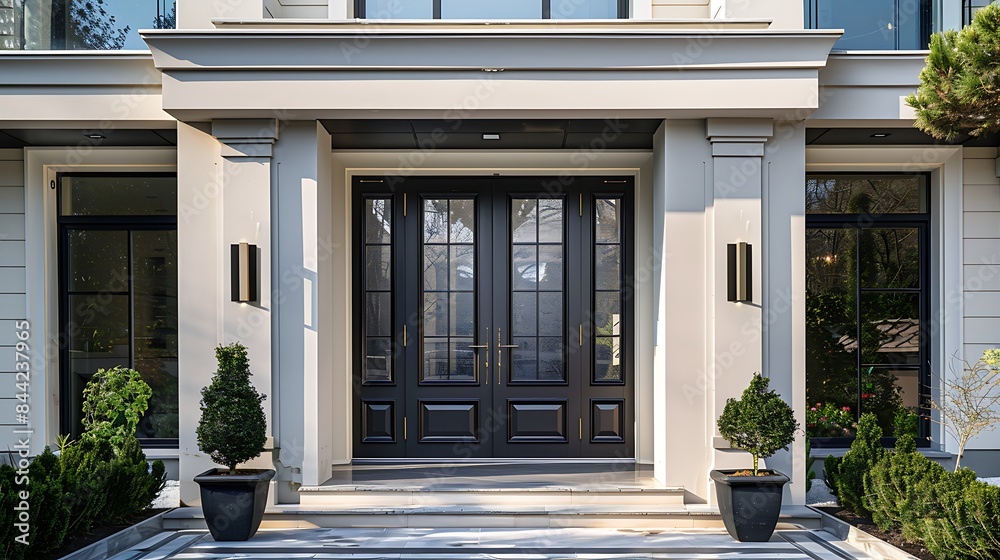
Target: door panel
pixel 494 317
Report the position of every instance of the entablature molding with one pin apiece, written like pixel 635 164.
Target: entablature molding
pixel 246 138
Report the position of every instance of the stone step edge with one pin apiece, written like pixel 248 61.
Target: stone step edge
pixel 794 512
pixel 553 489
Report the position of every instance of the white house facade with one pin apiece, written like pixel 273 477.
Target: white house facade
pixel 490 231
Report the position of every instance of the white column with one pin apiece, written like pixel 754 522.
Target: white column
pixel 734 215
pixel 682 448
pixel 224 197
pixel 303 265
pixel 784 288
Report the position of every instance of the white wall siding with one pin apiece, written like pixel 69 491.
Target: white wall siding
pixel 680 9
pixel 12 281
pixel 981 256
pixel 298 9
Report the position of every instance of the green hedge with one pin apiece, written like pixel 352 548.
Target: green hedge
pixel 951 513
pixel 88 481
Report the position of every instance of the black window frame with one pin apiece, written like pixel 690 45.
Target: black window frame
pixel 360 9
pixel 105 223
pixel 922 222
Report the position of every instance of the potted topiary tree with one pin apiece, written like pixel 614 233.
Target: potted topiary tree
pixel 761 424
pixel 232 430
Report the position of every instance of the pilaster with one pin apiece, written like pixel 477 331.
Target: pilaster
pixel 734 214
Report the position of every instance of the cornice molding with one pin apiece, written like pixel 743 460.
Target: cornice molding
pixel 388 48
pixel 79 68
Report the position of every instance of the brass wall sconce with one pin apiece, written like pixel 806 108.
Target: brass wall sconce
pixel 740 272
pixel 244 272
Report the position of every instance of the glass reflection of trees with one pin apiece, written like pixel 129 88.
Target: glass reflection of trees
pixel 871 273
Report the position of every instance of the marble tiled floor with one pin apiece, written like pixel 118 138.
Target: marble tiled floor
pixel 499 544
pixel 515 475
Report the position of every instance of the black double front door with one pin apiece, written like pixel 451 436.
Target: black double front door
pixel 493 317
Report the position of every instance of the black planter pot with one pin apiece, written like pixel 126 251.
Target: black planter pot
pixel 233 505
pixel 749 505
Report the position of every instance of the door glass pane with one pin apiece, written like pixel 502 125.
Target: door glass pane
pixel 463 273
pixel 463 314
pixel 550 267
pixel 606 217
pixel 525 267
pixel 607 274
pixel 449 296
pixel 537 303
pixel 435 314
pixel 378 359
pixel 378 272
pixel 607 267
pixel 524 313
pixel 378 220
pixel 550 221
pixel 462 221
pixel 154 273
pixel 607 358
pixel 436 267
pixel 378 268
pixel 550 314
pixel 491 9
pixel 831 329
pixel 378 318
pixel 524 220
pixel 435 221
pixel 890 258
pixel 551 359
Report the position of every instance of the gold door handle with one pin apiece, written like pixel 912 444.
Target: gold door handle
pixel 476 361
pixel 500 348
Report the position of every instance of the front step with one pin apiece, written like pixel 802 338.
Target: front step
pixel 539 516
pixel 350 496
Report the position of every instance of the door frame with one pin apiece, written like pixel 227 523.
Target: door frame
pixel 535 183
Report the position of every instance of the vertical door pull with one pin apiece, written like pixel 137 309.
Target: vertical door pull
pixel 500 348
pixel 475 348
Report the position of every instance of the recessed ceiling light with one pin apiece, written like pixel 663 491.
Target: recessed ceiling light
pixel 881 135
pixel 491 136
pixel 94 135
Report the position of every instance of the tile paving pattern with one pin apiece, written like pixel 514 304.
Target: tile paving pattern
pixel 500 544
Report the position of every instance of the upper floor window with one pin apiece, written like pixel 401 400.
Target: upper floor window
pixel 101 25
pixel 873 24
pixel 492 9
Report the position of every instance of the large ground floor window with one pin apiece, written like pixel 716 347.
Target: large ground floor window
pixel 118 288
pixel 867 301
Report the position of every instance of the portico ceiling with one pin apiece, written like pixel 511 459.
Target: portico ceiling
pixel 615 134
